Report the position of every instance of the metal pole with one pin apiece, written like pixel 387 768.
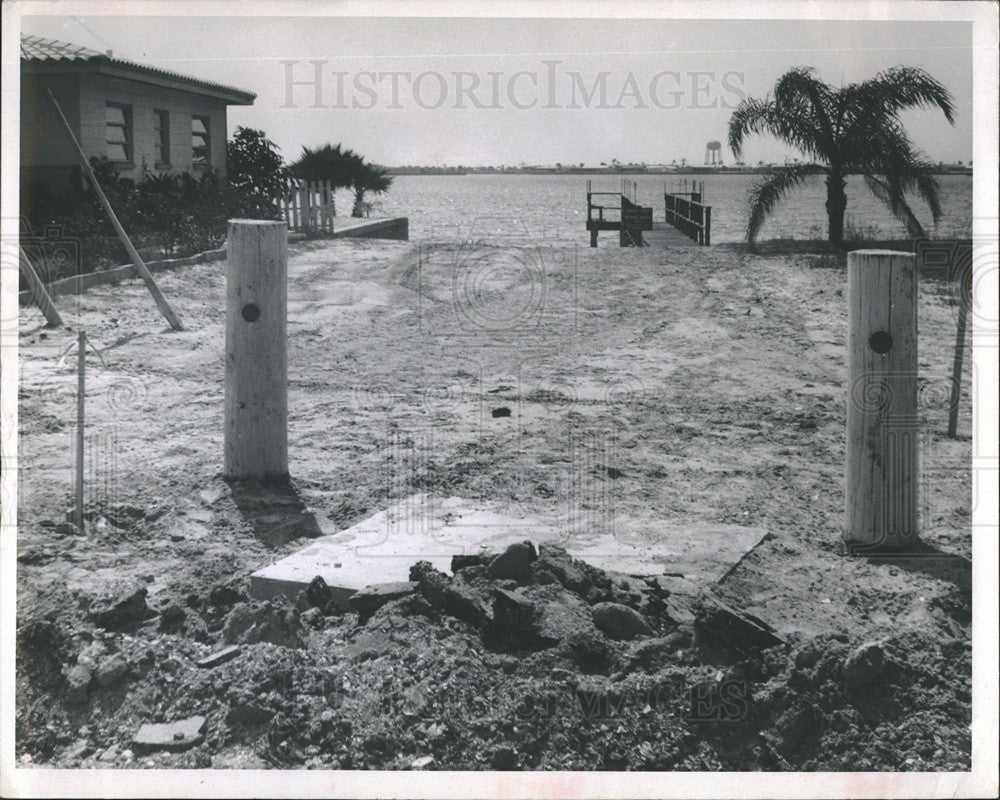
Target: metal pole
pixel 140 265
pixel 81 370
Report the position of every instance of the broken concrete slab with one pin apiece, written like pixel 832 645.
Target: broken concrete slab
pixel 725 626
pixel 177 735
pixel 370 599
pixel 699 551
pixel 221 657
pixel 561 616
pixel 514 562
pixel 381 549
pixel 453 597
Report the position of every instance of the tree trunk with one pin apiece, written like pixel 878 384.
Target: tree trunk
pixel 836 203
pixel 359 201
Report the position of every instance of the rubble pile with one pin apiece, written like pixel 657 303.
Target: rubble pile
pixel 524 659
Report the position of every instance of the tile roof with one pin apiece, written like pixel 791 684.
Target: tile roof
pixel 39 48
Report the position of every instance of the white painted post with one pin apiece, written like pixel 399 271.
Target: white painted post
pixel 256 400
pixel 882 424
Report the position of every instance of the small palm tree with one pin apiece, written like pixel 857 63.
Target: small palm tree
pixel 367 178
pixel 331 163
pixel 854 130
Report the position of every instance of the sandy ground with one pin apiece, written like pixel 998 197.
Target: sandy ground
pixel 650 391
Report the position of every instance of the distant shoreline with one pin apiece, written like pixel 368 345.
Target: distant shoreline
pixel 944 169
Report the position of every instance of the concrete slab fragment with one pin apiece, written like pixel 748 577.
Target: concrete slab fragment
pixel 170 735
pixel 221 657
pixel 382 548
pixel 700 552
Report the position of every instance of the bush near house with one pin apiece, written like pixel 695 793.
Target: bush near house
pixel 257 174
pixel 166 216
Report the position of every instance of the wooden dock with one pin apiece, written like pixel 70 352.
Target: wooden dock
pixel 687 221
pixel 664 234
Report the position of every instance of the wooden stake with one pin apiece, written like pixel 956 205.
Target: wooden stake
pixel 256 414
pixel 956 367
pixel 38 293
pixel 882 425
pixel 81 380
pixel 140 265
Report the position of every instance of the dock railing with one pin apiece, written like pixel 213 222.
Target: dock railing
pixel 626 216
pixel 685 210
pixel 309 206
pixel 600 208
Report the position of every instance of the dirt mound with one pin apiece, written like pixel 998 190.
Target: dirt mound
pixel 526 659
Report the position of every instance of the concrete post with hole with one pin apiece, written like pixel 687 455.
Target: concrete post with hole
pixel 882 423
pixel 256 395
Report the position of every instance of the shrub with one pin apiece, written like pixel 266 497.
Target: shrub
pixel 164 215
pixel 257 175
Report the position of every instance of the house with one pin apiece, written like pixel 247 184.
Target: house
pixel 142 118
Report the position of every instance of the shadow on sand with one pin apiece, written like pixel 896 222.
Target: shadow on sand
pixel 274 509
pixel 930 561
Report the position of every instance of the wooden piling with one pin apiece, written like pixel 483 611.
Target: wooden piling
pixel 140 265
pixel 882 425
pixel 256 414
pixel 81 393
pixel 38 292
pixel 964 299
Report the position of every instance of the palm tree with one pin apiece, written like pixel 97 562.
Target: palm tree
pixel 367 178
pixel 854 130
pixel 327 163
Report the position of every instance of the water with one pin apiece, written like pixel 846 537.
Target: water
pixel 446 206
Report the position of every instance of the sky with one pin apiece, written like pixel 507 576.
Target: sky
pixel 463 91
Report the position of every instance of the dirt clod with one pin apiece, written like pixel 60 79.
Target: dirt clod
pixel 122 608
pixel 619 621
pixel 372 598
pixel 514 563
pixel 110 670
pixel 864 664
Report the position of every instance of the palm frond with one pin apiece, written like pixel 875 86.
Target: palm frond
pixel 895 200
pixel 902 168
pixel 802 92
pixel 750 116
pixel 766 195
pixel 790 125
pixel 900 88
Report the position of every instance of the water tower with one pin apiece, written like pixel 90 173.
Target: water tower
pixel 713 153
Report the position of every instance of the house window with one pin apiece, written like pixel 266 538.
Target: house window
pixel 118 132
pixel 161 133
pixel 199 142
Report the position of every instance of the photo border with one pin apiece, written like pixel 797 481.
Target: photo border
pixel 981 781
